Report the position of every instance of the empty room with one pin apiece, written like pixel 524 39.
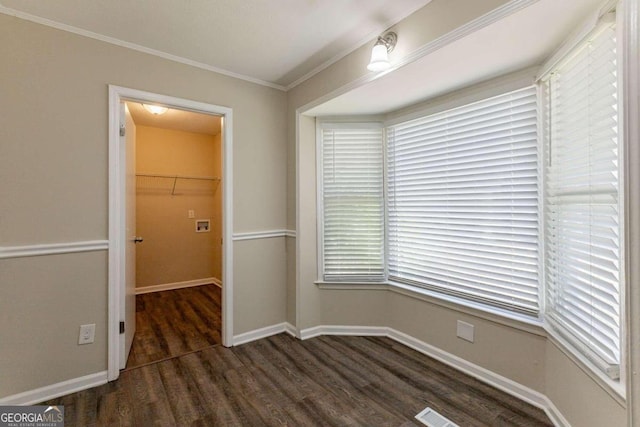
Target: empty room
pixel 302 212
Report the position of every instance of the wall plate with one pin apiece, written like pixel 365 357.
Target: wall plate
pixel 203 225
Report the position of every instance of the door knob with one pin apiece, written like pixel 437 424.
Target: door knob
pixel 137 240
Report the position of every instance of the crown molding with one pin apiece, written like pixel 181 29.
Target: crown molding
pixel 114 41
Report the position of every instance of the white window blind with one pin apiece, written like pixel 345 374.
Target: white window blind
pixel 463 202
pixel 582 209
pixel 352 202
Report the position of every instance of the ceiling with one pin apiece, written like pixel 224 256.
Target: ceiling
pixel 277 42
pixel 289 40
pixel 523 39
pixel 187 121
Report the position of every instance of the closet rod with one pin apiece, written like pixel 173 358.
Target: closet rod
pixel 208 178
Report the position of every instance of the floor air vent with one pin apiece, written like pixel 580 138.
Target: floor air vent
pixel 431 418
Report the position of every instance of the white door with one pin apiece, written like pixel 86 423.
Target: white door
pixel 129 303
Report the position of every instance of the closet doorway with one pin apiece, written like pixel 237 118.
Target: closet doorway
pixel 169 177
pixel 178 168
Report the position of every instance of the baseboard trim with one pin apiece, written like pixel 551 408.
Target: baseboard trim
pixel 498 381
pixel 178 285
pixel 554 414
pixel 265 332
pixel 344 330
pixel 507 385
pixel 291 330
pixel 52 391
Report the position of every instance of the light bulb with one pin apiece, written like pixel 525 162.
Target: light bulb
pixel 155 109
pixel 379 58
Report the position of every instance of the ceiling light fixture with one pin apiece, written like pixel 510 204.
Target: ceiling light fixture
pixel 380 53
pixel 155 109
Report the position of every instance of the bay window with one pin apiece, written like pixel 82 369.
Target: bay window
pixel 498 203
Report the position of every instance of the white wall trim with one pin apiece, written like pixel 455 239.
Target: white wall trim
pixel 554 414
pixel 475 25
pixel 507 385
pixel 53 248
pixel 265 332
pixel 498 381
pixel 178 285
pixel 468 28
pixel 112 40
pixel 117 163
pixel 368 39
pixel 267 234
pixel 52 391
pixel 464 30
pixel 630 99
pixel 292 330
pixel 380 331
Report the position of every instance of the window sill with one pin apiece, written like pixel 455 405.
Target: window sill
pixel 492 314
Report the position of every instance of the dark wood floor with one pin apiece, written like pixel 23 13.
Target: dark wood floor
pixel 176 322
pixel 277 381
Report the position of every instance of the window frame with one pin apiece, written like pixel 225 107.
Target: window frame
pixel 576 350
pixel 495 87
pixel 344 123
pixel 492 91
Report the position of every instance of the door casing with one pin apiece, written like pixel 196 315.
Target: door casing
pixel 117 213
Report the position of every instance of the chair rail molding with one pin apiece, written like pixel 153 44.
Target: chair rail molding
pixel 42 249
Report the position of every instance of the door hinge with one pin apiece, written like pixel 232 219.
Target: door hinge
pixel 122 130
pixel 122 327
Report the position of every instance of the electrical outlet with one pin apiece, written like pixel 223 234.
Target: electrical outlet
pixel 192 213
pixel 87 334
pixel 465 331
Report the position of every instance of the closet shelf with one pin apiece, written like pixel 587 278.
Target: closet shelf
pixel 205 178
pixel 172 180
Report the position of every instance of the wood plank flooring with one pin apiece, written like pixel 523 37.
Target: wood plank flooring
pixel 278 381
pixel 176 322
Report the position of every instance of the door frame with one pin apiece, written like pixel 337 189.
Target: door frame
pixel 117 212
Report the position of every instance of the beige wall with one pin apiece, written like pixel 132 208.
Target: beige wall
pixel 172 250
pixel 54 174
pixel 579 398
pixel 54 168
pixel 517 354
pixel 253 290
pixel 520 353
pixel 291 278
pixel 43 302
